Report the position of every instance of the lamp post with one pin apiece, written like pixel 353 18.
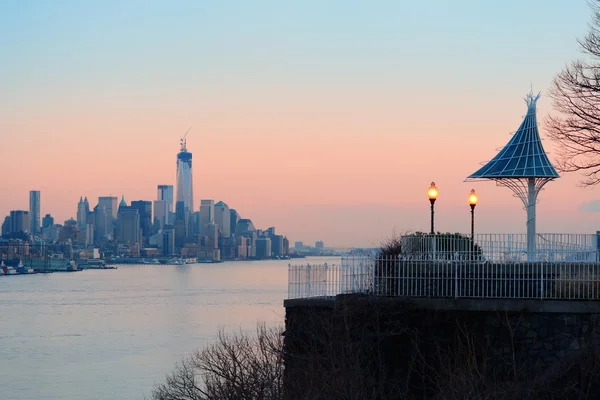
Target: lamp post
pixel 473 202
pixel 432 193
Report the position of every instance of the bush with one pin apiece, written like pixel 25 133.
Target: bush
pixel 237 366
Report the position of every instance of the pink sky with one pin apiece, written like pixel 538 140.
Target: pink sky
pixel 300 120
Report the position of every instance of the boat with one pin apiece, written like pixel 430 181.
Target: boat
pixel 24 270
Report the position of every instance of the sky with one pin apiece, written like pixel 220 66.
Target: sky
pixel 326 119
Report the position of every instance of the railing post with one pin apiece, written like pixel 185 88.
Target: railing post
pixel 456 280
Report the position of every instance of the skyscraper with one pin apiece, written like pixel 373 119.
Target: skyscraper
pixel 145 211
pixel 110 205
pixel 222 219
pixel 185 193
pixel 19 221
pixel 128 225
pixel 207 215
pixel 34 211
pixel 165 193
pixel 161 213
pixel 83 209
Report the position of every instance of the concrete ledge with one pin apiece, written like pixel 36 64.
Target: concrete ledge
pixel 312 302
pixel 442 304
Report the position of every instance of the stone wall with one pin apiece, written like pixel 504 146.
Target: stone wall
pixel 386 348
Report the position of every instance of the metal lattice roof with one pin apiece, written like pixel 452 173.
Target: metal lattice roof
pixel 523 156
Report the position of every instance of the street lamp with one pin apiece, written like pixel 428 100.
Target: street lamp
pixel 473 202
pixel 432 193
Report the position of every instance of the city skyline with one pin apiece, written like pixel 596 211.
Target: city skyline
pixel 333 134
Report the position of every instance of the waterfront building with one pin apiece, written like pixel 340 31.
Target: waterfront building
pixel 145 211
pixel 165 193
pixel 299 245
pixel 207 215
pixel 263 247
pixel 276 245
pixel 319 245
pixel 19 221
pixel 34 211
pixel 222 219
pixel 167 241
pixel 47 221
pixel 286 246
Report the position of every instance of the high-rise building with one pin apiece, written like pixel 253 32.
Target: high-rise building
pixel 286 246
pixel 276 245
pixel 299 246
pixel 110 205
pixel 167 242
pixel 165 192
pixel 319 245
pixel 128 225
pixel 145 211
pixel 207 215
pixel 234 217
pixel 102 223
pixel 161 213
pixel 19 221
pixel 83 210
pixel 223 218
pixel 47 221
pixel 185 193
pixel 263 247
pixel 6 225
pixel 34 211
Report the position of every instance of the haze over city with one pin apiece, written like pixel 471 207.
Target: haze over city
pixel 328 120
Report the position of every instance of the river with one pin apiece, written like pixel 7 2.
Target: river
pixel 114 334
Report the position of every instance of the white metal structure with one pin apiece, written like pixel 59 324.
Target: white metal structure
pixel 522 166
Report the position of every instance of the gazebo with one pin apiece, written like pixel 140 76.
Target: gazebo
pixel 522 166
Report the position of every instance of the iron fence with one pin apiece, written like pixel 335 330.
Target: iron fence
pixel 468 276
pixel 501 247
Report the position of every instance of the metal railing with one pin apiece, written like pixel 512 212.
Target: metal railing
pixel 468 276
pixel 501 247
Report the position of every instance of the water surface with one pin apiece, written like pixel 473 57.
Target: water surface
pixel 112 334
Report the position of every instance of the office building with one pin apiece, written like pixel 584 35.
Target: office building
pixel 299 246
pixel 207 215
pixel 222 219
pixel 276 245
pixel 165 193
pixel 83 210
pixel 110 206
pixel 19 221
pixel 47 221
pixel 263 247
pixel 34 212
pixel 161 213
pixel 145 211
pixel 102 223
pixel 234 217
pixel 6 225
pixel 128 225
pixel 319 245
pixel 185 193
pixel 167 241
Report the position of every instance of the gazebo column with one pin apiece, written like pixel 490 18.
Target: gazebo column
pixel 531 203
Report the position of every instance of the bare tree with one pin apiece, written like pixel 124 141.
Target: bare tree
pixel 576 96
pixel 236 367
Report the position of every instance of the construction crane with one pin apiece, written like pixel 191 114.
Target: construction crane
pixel 182 140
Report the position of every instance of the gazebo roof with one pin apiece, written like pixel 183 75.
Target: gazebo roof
pixel 523 156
